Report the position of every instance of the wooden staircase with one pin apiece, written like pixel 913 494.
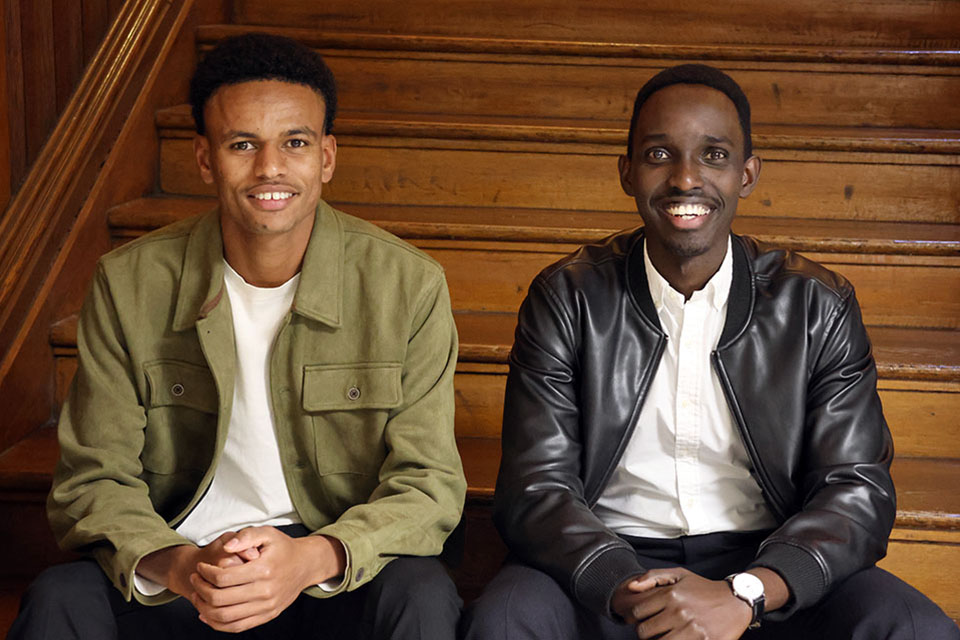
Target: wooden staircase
pixel 487 135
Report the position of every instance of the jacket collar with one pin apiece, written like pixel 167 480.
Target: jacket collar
pixel 319 293
pixel 739 303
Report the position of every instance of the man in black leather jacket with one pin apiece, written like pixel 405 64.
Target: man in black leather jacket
pixel 802 449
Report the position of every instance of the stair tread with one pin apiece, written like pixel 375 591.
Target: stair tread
pixel 589 131
pixel 551 225
pixel 925 486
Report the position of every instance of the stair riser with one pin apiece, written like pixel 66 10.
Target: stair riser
pixel 919 23
pixel 823 185
pixel 598 88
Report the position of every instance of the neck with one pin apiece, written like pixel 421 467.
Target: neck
pixel 265 260
pixel 686 274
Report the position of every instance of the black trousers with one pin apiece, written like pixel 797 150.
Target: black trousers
pixel 412 598
pixel 522 603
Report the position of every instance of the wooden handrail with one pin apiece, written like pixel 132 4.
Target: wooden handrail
pixel 41 214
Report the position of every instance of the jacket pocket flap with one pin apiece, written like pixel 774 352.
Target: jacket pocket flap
pixel 175 383
pixel 354 386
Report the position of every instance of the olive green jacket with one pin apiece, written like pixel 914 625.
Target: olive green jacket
pixel 361 377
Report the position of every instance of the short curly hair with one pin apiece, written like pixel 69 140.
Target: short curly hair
pixel 696 74
pixel 261 56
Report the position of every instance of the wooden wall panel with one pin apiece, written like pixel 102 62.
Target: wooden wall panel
pixel 68 53
pixel 914 23
pixel 39 75
pixel 48 43
pixel 4 120
pixel 94 22
pixel 14 105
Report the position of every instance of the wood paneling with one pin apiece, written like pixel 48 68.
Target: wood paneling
pixel 49 42
pixel 4 119
pixel 924 24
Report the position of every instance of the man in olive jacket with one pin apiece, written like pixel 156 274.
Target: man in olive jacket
pixel 262 419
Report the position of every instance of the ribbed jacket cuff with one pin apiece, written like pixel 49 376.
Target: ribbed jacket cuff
pixel 594 586
pixel 799 569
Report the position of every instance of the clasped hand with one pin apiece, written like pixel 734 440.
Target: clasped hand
pixel 676 604
pixel 241 580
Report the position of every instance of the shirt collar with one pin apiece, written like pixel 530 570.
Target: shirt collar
pixel 716 290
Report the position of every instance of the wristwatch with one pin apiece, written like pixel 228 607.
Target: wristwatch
pixel 749 588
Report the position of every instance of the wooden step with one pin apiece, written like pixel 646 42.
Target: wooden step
pixel 599 80
pixel 919 379
pixel 511 224
pixel 919 24
pixel 816 172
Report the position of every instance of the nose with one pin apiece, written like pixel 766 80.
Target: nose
pixel 270 162
pixel 685 174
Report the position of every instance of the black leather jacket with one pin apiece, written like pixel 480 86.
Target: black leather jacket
pixel 797 370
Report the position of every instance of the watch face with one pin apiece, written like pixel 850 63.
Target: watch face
pixel 747 586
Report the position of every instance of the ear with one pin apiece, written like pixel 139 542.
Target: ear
pixel 201 150
pixel 751 173
pixel 626 177
pixel 328 147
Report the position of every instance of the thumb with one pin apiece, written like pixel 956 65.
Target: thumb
pixel 654 578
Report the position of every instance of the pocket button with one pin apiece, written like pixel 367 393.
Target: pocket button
pixel 353 393
pixel 177 389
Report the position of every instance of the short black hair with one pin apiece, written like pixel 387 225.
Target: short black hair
pixel 261 56
pixel 696 74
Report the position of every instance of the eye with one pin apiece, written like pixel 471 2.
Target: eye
pixel 298 143
pixel 716 155
pixel 657 154
pixel 242 145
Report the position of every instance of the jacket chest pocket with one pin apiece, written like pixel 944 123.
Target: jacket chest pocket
pixel 181 417
pixel 349 406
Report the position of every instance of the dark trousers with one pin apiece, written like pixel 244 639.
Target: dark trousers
pixel 412 598
pixel 522 603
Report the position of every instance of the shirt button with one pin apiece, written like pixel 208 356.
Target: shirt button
pixel 177 389
pixel 353 393
pixel 360 573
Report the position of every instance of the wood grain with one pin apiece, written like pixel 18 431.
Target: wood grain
pixel 477 76
pixel 922 24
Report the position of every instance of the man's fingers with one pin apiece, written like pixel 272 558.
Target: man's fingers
pixel 223 577
pixel 250 538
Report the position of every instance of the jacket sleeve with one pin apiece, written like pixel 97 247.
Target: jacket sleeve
pixel 98 503
pixel 539 505
pixel 848 503
pixel 419 498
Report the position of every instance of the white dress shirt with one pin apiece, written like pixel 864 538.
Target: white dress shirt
pixel 685 470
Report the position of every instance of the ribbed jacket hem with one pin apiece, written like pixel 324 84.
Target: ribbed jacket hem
pixel 595 584
pixel 799 569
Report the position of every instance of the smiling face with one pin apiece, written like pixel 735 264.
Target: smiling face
pixel 266 152
pixel 686 172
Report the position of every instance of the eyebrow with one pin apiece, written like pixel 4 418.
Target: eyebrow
pixel 720 140
pixel 233 134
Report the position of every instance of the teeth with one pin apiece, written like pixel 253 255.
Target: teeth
pixel 688 210
pixel 273 195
